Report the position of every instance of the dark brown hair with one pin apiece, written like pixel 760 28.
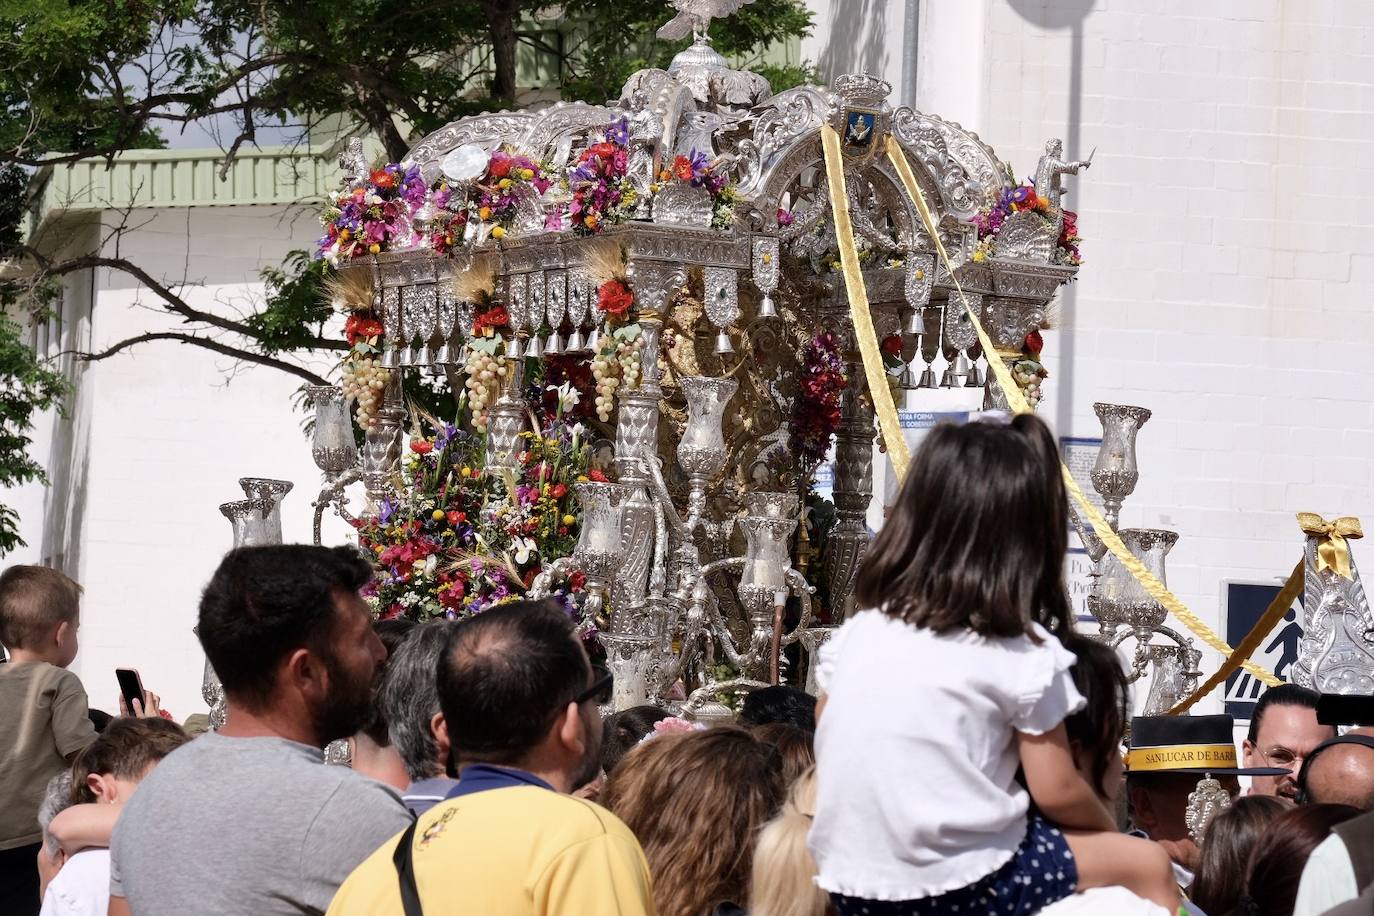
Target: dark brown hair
pixel 978 536
pixel 1226 849
pixel 621 731
pixel 125 749
pixel 793 743
pixel 1097 728
pixel 1271 884
pixel 33 601
pixel 697 801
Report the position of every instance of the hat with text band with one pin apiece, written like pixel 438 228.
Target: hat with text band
pixel 1200 745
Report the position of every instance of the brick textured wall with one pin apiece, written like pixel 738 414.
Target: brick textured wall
pixel 1228 282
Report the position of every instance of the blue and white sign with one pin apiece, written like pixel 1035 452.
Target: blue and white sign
pixel 1244 604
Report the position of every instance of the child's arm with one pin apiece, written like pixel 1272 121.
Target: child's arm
pixel 1059 790
pixel 80 826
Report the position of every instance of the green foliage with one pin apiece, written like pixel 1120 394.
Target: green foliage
pixel 27 386
pixel 297 308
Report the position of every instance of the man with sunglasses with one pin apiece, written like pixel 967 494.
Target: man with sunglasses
pixel 1283 731
pixel 519 700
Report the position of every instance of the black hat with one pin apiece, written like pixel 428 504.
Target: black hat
pixel 1188 744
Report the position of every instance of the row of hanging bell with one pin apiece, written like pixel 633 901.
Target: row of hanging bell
pixel 961 368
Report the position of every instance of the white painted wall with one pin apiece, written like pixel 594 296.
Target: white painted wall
pixel 162 434
pixel 1228 282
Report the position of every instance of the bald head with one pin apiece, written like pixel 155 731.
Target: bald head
pixel 1343 774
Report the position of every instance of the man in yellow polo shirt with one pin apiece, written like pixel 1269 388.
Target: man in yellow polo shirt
pixel 519 700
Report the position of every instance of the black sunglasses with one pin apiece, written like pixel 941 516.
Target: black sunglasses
pixel 600 690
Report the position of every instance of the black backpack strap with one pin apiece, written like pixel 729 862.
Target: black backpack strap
pixel 404 859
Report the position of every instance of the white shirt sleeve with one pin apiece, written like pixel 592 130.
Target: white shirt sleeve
pixel 1047 693
pixel 1328 879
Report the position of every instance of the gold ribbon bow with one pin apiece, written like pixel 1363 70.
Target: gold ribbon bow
pixel 1332 550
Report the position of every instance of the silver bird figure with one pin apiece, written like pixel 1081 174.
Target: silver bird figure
pixel 693 17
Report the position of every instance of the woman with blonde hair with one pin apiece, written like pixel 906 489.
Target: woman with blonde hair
pixel 784 879
pixel 697 802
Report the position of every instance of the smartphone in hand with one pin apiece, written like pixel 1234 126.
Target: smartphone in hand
pixel 131 686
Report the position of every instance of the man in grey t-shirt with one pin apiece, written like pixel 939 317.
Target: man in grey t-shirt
pixel 249 820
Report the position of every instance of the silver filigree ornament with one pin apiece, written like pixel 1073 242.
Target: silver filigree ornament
pixel 535 314
pixel 1204 803
pixel 420 317
pixel 555 308
pixel 720 295
pixel 766 274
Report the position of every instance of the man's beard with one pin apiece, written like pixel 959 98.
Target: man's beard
pixel 590 766
pixel 349 706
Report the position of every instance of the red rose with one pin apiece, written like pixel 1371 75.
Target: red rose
pixel 614 298
pixel 360 327
pixel 558 491
pixel 421 446
pixel 455 517
pixel 892 345
pixel 682 168
pixel 492 318
pixel 596 475
pixel 499 167
pixel 578 581
pixel 1034 342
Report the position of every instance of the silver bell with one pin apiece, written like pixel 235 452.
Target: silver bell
pixel 406 358
pixel 554 345
pixel 767 309
pixel 594 340
pixel 723 344
pixel 908 380
pixel 574 344
pixel 534 347
pixel 916 324
pixel 513 348
pixel 961 365
pixel 948 380
pixel 389 359
pixel 975 378
pixel 927 379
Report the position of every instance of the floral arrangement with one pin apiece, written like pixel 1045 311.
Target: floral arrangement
pixel 1019 199
pixel 699 172
pixel 372 216
pixel 816 411
pixel 452 544
pixel 602 194
pixel 1028 372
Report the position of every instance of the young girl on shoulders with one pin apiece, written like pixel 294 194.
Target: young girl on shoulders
pixel 952 680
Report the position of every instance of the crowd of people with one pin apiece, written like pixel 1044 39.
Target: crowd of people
pixel 969 754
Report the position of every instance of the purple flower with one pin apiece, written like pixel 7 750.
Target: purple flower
pixel 386 511
pixel 553 220
pixel 619 132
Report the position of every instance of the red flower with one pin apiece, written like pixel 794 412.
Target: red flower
pixel 383 179
pixel 558 491
pixel 614 298
pixel 360 327
pixel 1034 342
pixel 603 150
pixel 492 318
pixel 596 475
pixel 421 446
pixel 455 517
pixel 892 345
pixel 500 166
pixel 682 168
pixel 578 581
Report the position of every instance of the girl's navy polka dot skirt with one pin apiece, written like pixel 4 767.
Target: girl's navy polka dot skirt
pixel 1040 872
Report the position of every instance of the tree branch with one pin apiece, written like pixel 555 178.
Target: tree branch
pixel 170 299
pixel 213 345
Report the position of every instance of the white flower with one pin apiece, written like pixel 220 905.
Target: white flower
pixel 524 547
pixel 568 396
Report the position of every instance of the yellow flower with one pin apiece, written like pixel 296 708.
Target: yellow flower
pixel 484 213
pixel 980 256
pixel 568 519
pixel 504 183
pixel 437 515
pixel 527 174
pixel 551 443
pixel 582 478
pixel 466 472
pixel 498 233
pixel 344 234
pixel 374 248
